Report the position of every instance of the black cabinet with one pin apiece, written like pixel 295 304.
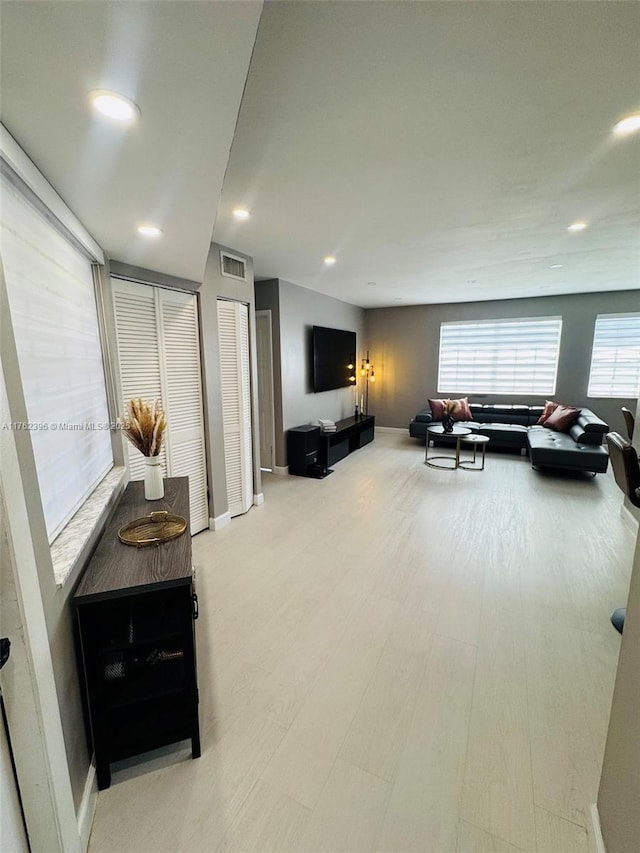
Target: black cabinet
pixel 337 448
pixel 310 451
pixel 366 435
pixel 136 610
pixel 303 447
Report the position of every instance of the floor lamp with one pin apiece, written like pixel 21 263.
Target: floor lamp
pixel 351 367
pixel 367 372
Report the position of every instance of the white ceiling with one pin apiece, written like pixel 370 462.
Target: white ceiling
pixel 183 63
pixel 438 149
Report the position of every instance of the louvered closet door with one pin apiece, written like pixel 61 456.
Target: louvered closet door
pixel 183 395
pixel 159 356
pixel 139 354
pixel 233 330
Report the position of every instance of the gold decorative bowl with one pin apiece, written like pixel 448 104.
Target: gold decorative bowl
pixel 153 529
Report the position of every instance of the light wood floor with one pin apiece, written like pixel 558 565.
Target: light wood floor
pixel 394 659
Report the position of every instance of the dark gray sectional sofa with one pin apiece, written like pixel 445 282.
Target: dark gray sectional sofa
pixel 515 427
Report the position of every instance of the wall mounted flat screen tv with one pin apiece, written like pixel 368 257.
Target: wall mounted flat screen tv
pixel 333 350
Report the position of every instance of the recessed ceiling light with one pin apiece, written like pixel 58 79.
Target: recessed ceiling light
pixel 627 125
pixel 329 260
pixel 555 266
pixel 241 213
pixel 577 226
pixel 114 106
pixel 149 230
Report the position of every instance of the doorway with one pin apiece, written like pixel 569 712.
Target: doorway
pixel 235 385
pixel 264 357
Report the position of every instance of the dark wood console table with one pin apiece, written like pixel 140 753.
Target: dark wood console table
pixel 135 611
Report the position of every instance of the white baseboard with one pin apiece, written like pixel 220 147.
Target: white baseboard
pixel 220 521
pixel 281 470
pixel 88 804
pixel 392 429
pixel 258 499
pixel 596 841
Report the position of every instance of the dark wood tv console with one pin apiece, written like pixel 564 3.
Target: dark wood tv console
pixel 350 435
pixel 311 452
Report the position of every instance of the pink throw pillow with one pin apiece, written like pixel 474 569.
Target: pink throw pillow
pixel 459 410
pixel 549 408
pixel 437 408
pixel 562 418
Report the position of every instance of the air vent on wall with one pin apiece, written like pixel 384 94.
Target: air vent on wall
pixel 232 266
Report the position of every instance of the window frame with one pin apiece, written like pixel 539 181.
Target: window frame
pixel 52 300
pixel 67 550
pixel 618 394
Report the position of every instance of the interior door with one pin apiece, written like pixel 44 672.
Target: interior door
pixel 159 358
pixel 138 355
pixel 235 378
pixel 182 383
pixel 264 358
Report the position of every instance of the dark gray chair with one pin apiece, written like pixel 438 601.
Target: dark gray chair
pixel 626 470
pixel 626 467
pixel 629 421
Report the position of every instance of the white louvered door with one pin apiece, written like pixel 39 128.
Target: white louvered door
pixel 159 356
pixel 139 354
pixel 233 331
pixel 183 395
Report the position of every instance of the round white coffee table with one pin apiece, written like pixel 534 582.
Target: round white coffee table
pixel 477 441
pixel 436 461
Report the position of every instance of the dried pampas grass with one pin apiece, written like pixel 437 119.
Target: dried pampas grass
pixel 144 425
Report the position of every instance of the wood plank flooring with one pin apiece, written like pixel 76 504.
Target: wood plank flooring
pixel 394 659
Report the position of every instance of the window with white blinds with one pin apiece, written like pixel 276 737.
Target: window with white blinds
pixel 615 358
pixel 500 356
pixel 55 322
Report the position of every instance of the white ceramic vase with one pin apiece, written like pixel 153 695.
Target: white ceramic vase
pixel 153 482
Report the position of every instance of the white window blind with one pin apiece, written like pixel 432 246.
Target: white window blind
pixel 500 356
pixel 615 359
pixel 53 311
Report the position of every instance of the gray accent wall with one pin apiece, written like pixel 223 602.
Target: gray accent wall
pixel 295 310
pixel 405 341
